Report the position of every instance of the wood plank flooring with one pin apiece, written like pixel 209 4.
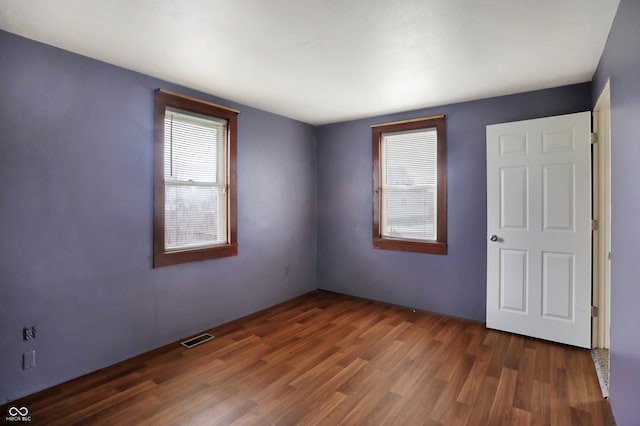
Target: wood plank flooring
pixel 325 358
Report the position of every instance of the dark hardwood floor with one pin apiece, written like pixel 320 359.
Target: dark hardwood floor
pixel 325 358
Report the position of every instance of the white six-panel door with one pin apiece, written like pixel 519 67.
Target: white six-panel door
pixel 539 226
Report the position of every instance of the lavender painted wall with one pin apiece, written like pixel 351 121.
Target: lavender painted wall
pixel 454 284
pixel 621 63
pixel 76 219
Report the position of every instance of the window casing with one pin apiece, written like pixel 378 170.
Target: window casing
pixel 194 180
pixel 409 185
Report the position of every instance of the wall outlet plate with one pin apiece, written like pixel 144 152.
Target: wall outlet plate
pixel 28 360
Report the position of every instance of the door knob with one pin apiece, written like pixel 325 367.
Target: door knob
pixel 493 238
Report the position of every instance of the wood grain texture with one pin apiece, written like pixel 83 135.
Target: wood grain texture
pixel 325 358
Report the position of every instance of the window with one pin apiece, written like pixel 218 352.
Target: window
pixel 409 185
pixel 194 180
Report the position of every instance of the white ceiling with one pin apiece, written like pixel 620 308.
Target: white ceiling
pixel 323 61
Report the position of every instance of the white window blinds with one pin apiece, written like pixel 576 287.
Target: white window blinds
pixel 194 181
pixel 409 184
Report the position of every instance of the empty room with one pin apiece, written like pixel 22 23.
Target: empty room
pixel 320 212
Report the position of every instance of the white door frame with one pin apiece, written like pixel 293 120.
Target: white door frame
pixel 602 213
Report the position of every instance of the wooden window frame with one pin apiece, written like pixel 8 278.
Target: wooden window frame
pixel 438 246
pixel 161 257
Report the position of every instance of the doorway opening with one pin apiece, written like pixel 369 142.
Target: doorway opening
pixel 602 237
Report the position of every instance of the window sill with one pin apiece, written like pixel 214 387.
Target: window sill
pixel 185 256
pixel 414 246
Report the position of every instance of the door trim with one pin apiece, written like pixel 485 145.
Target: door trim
pixel 602 213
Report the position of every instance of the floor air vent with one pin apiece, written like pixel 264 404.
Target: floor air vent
pixel 195 341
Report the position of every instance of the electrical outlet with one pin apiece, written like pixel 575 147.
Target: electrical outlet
pixel 28 360
pixel 29 333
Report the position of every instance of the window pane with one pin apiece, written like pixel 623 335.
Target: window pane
pixel 192 148
pixel 409 185
pixel 194 216
pixel 410 213
pixel 411 158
